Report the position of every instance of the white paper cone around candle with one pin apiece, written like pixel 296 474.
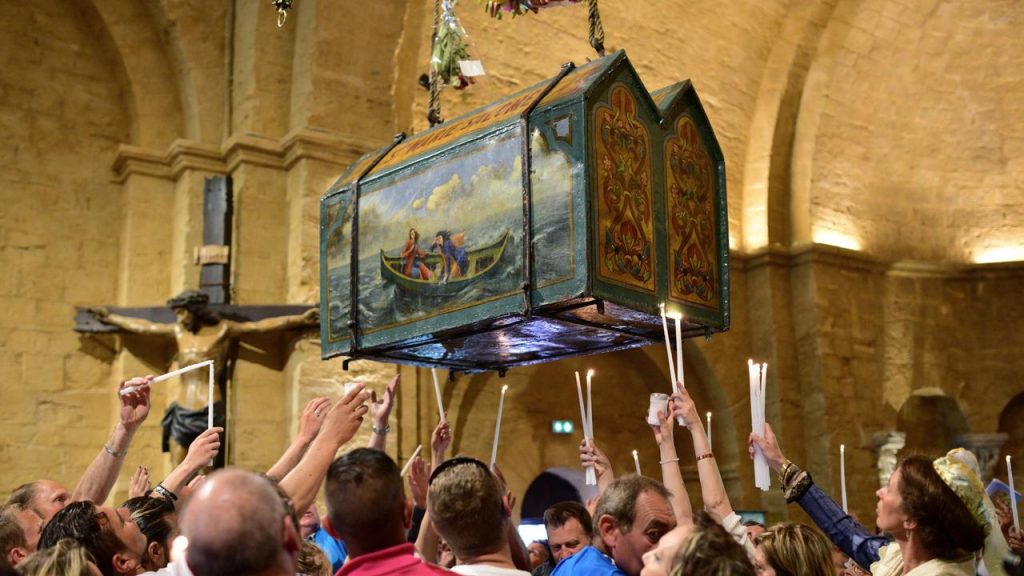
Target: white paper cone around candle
pixel 1013 495
pixel 842 476
pixel 636 462
pixel 659 403
pixel 415 453
pixel 497 425
pixel 437 391
pixel 168 376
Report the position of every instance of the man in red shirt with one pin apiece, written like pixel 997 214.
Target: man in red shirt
pixel 367 508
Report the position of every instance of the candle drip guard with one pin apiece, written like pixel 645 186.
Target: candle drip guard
pixel 546 225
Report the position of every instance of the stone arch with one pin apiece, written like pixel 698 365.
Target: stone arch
pixel 812 103
pixel 552 486
pixel 144 70
pixel 932 421
pixel 1011 423
pixel 769 147
pixel 195 42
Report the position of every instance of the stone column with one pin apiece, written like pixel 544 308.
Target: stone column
pixel 986 448
pixel 886 445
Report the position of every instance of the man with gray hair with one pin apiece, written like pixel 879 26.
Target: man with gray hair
pixel 237 523
pixel 633 514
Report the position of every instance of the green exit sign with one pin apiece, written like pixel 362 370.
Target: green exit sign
pixel 562 426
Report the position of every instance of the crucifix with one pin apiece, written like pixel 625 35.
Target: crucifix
pixel 203 324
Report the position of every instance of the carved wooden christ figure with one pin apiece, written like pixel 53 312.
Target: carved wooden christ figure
pixel 200 335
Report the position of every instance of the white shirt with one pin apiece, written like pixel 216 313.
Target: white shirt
pixel 484 570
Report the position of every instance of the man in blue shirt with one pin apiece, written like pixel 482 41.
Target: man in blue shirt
pixel 633 514
pixel 313 531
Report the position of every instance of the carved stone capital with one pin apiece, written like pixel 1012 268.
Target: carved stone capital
pixel 887 445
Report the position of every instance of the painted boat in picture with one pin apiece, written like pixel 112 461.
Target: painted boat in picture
pixel 479 263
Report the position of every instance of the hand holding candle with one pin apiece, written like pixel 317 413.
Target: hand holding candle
pixel 585 422
pixel 757 374
pixel 497 425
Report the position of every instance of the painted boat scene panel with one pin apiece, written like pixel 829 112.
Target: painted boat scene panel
pixel 446 234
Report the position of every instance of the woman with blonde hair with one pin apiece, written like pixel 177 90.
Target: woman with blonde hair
pixel 791 549
pixel 65 558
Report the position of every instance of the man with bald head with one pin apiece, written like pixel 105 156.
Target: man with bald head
pixel 237 523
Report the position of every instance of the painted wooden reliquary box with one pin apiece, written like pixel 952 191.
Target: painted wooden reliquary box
pixel 549 224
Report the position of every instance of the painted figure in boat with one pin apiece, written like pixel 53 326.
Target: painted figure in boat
pixel 412 255
pixel 452 246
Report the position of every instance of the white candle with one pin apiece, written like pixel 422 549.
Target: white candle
pixel 209 416
pixel 1013 495
pixel 497 425
pixel 437 391
pixel 709 430
pixel 179 371
pixel 591 474
pixel 415 453
pixel 583 407
pixel 168 376
pixel 636 461
pixel 679 349
pixel 668 349
pixel 842 475
pixel 590 408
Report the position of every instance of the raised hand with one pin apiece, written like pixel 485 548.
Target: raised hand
pixel 204 448
pixel 139 484
pixel 441 439
pixel 380 410
pixel 591 455
pixel 1015 538
pixel 769 447
pixel 312 418
pixel 663 431
pixel 682 406
pixel 343 419
pixel 419 476
pixel 135 403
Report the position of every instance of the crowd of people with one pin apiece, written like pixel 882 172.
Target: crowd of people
pixel 455 513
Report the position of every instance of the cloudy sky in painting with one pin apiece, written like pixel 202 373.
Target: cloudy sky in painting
pixel 477 191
